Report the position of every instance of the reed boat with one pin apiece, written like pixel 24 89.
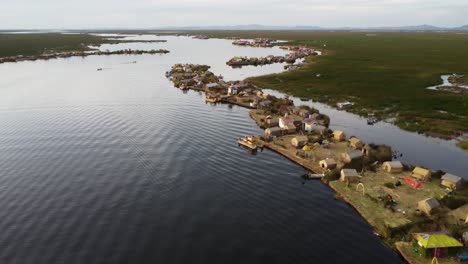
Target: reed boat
pixel 248 141
pixel 212 99
pixel 313 176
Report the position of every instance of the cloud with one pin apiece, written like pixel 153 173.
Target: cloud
pixel 155 13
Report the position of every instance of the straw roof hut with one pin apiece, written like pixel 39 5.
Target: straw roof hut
pixel 356 142
pixel 393 166
pixel 272 122
pixel 310 126
pixel 366 150
pixel 428 205
pixel 299 141
pixel 421 174
pixel 451 181
pixel 265 104
pixel 339 135
pixel 289 128
pixel 304 113
pixel 350 156
pixel 328 164
pixel 349 175
pixel 273 132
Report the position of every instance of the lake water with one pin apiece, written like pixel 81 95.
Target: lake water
pixel 445 82
pixel 117 166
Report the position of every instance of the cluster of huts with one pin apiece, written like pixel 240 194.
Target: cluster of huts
pixel 258 42
pixel 240 61
pixel 298 52
pixel 199 77
pixel 79 54
pixel 418 174
pixel 194 76
pixel 291 58
pixel 296 120
pixel 200 37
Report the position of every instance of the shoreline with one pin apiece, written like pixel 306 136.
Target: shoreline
pixel 63 55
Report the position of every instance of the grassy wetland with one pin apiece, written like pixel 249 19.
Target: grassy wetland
pixel 30 44
pixel 383 73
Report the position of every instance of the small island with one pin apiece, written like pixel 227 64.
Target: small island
pixel 50 56
pixel 291 58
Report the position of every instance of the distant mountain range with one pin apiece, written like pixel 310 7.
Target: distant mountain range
pixel 312 28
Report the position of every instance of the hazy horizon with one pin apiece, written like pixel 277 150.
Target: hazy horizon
pixel 87 14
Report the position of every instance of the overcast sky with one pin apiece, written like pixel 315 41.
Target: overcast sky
pixel 48 14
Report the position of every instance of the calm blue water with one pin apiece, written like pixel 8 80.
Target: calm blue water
pixel 117 166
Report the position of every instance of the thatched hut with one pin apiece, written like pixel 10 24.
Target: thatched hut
pixel 273 132
pixel 356 143
pixel 349 175
pixel 350 156
pixel 303 113
pixel 339 135
pixel 393 166
pixel 451 181
pixel 428 205
pixel 272 122
pixel 289 128
pixel 366 150
pixel 265 104
pixel 421 174
pixel 299 141
pixel 328 164
pixel 310 126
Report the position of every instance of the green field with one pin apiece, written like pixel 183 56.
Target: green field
pixel 386 74
pixel 36 44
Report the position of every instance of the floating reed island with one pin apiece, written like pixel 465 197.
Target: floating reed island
pixel 200 37
pixel 240 61
pixel 80 54
pixel 118 41
pixel 403 203
pixel 259 43
pixel 296 54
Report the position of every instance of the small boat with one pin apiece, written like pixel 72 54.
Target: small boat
pixel 212 99
pixel 168 74
pixel 304 99
pixel 99 69
pixel 249 142
pixel 313 176
pixel 344 105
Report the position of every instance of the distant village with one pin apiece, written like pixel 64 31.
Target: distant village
pixel 297 52
pixel 419 210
